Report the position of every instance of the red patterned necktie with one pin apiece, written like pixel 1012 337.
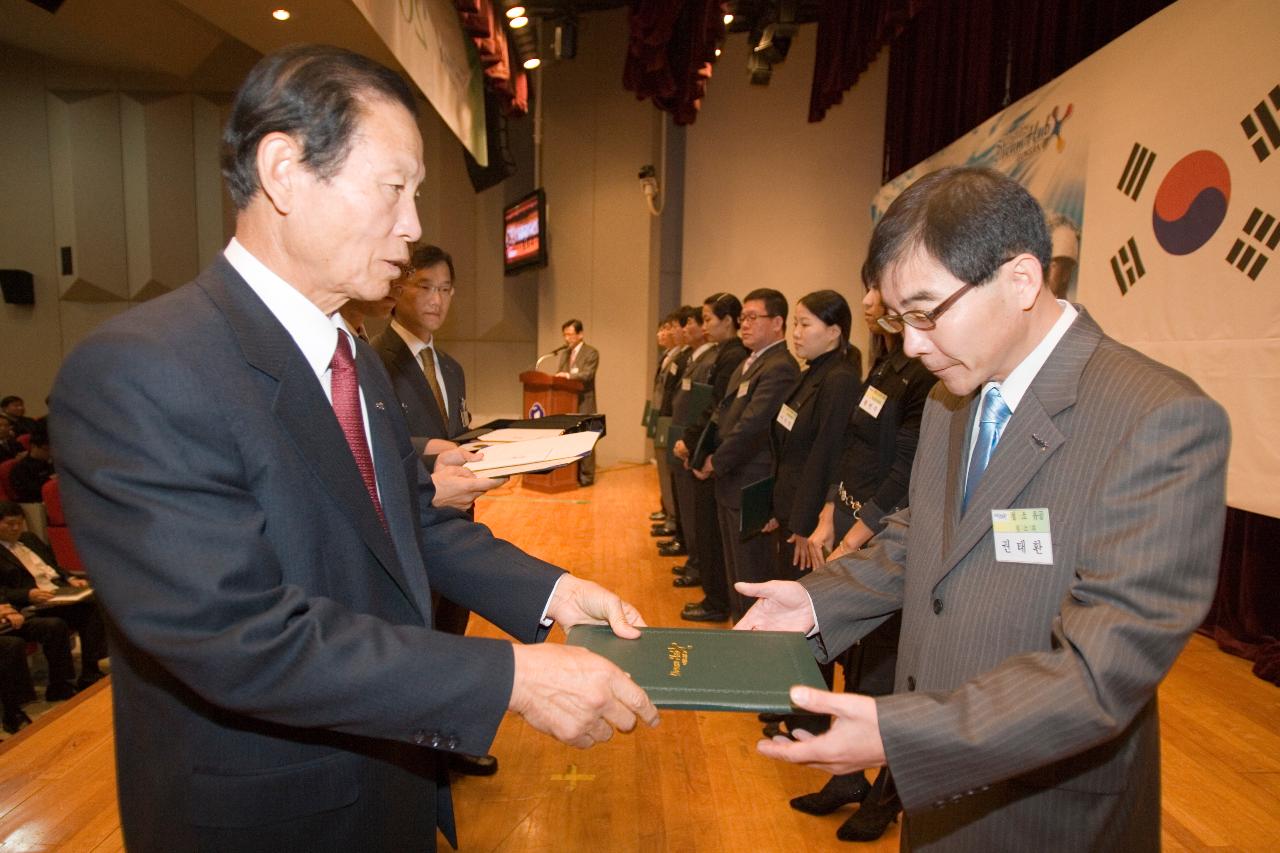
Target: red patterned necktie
pixel 345 387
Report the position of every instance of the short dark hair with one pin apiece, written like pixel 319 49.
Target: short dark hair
pixel 313 92
pixel 8 509
pixel 690 314
pixel 969 220
pixel 831 308
pixel 577 325
pixel 40 435
pixel 12 398
pixel 725 305
pixel 427 256
pixel 774 302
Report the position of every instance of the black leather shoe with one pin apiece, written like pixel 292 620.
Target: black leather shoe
pixel 770 717
pixel 473 765
pixel 870 821
pixel 682 569
pixel 688 580
pixel 675 549
pixel 660 530
pixel 658 516
pixel 698 613
pixel 839 791
pixel 58 691
pixel 88 679
pixel 15 720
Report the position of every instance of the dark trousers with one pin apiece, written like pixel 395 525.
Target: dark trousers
pixel 52 629
pixel 710 547
pixel 15 676
pixel 870 663
pixel 750 561
pixel 682 482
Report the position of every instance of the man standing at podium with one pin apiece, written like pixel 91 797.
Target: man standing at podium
pixel 579 360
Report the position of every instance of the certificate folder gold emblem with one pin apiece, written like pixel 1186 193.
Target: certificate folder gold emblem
pixel 709 669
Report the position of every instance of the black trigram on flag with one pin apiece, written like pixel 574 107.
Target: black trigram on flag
pixel 1250 260
pixel 1260 126
pixel 1136 171
pixel 1127 266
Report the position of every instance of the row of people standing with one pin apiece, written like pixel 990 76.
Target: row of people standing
pixel 837 448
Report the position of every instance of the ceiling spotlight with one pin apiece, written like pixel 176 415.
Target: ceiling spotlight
pixel 519 21
pixel 281 14
pixel 728 19
pixel 532 63
pixel 515 12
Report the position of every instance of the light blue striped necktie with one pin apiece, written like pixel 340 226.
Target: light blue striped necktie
pixel 995 414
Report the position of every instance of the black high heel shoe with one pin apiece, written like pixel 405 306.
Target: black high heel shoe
pixel 839 791
pixel 870 820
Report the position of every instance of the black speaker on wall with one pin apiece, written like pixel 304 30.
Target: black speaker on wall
pixel 501 165
pixel 18 286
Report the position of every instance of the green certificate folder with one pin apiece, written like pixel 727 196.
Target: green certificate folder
pixel 757 507
pixel 696 669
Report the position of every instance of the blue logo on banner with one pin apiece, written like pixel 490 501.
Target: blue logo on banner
pixel 536 411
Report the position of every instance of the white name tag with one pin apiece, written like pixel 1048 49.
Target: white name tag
pixel 1022 536
pixel 686 384
pixel 573 370
pixel 743 386
pixel 787 417
pixel 673 368
pixel 872 401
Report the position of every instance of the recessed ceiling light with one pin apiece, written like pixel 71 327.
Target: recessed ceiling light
pixel 532 63
pixel 281 14
pixel 519 21
pixel 515 11
pixel 728 19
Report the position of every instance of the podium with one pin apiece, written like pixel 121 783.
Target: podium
pixel 544 395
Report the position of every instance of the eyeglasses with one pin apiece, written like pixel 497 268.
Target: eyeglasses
pixel 438 289
pixel 926 320
pixel 752 317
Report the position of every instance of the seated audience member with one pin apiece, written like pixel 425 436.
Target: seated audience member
pixel 15 676
pixel 29 577
pixel 30 473
pixel 10 447
pixel 14 410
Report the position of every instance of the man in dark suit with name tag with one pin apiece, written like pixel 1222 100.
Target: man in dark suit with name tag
pixel 1061 544
pixel 742 456
pixel 580 360
pixel 260 528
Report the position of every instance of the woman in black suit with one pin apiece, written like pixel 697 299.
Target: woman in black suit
pixel 870 482
pixel 806 434
pixel 721 314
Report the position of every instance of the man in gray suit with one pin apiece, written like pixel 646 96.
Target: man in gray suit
pixel 579 360
pixel 757 390
pixel 1061 544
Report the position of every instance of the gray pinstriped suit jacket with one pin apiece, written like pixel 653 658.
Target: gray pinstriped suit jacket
pixel 1025 716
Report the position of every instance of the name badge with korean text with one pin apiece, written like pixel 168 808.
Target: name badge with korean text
pixel 1022 536
pixel 743 386
pixel 787 417
pixel 873 401
pixel 686 384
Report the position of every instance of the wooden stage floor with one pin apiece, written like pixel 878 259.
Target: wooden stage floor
pixel 696 782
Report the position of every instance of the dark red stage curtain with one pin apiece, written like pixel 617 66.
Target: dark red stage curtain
pixel 482 20
pixel 1245 617
pixel 669 52
pixel 850 34
pixel 956 64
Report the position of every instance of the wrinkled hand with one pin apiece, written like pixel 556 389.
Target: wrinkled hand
pixel 780 606
pixel 582 602
pixel 576 696
pixel 808 553
pixel 458 487
pixel 39 596
pixel 452 456
pixel 852 743
pixel 437 446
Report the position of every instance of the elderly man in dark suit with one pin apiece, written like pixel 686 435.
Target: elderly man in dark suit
pixel 259 526
pixel 1061 544
pixel 744 417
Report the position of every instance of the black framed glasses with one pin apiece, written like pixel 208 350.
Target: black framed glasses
pixel 926 320
pixel 751 317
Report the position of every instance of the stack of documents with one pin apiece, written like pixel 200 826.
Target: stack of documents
pixel 535 455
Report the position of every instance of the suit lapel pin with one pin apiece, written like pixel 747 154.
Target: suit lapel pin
pixel 380 406
pixel 1040 442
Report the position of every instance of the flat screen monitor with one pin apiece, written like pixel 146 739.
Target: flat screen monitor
pixel 524 231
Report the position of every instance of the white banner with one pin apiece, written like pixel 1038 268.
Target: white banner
pixel 1163 150
pixel 427 39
